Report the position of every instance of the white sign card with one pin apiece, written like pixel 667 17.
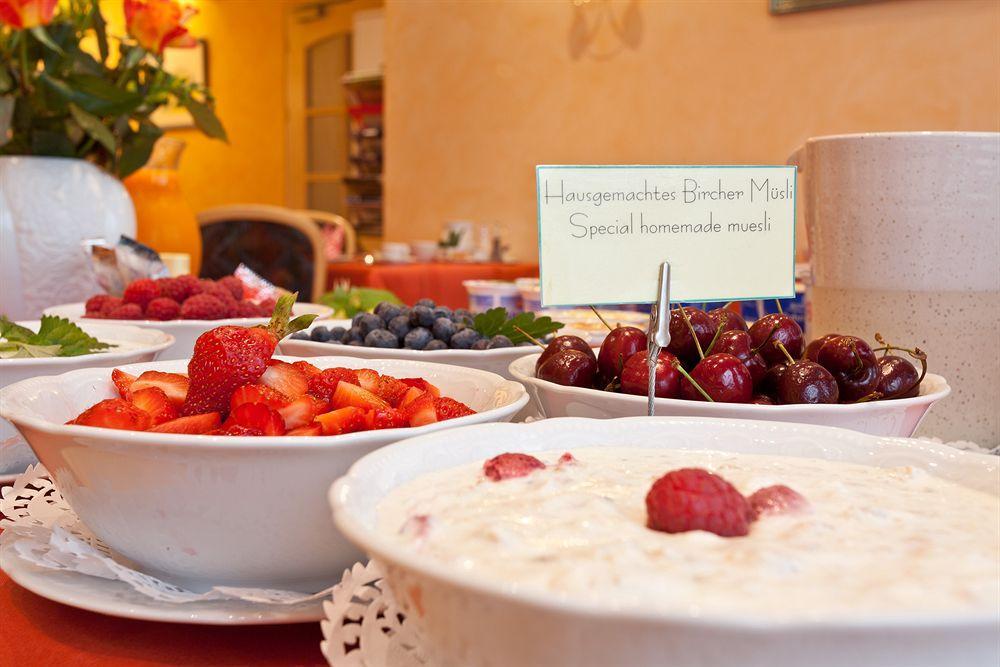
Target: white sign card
pixel 603 231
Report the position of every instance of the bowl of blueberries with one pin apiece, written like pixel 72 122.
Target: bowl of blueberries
pixel 422 332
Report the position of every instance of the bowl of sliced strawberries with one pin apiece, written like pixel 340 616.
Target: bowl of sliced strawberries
pixel 214 470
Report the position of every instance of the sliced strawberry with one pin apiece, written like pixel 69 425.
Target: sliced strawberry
pixel 174 385
pixel 308 429
pixel 411 395
pixel 423 384
pixel 449 408
pixel 367 379
pixel 344 420
pixel 421 411
pixel 348 394
pixel 388 418
pixel 155 403
pixel 123 381
pixel 256 416
pixel 306 368
pixel 301 411
pixel 258 393
pixel 324 384
pixel 286 378
pixel 390 389
pixel 115 413
pixel 236 429
pixel 195 424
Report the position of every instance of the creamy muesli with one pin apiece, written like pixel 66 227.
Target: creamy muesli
pixel 871 541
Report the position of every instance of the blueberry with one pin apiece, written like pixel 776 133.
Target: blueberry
pixel 337 334
pixel 417 339
pixel 481 344
pixel 381 338
pixel 353 334
pixel 405 311
pixel 442 311
pixel 461 312
pixel 320 334
pixel 369 323
pixel 499 341
pixel 429 303
pixel 422 316
pixel 436 345
pixel 387 311
pixel 464 339
pixel 400 326
pixel 356 320
pixel 443 329
pixel 302 335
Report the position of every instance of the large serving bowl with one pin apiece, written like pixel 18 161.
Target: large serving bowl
pixel 219 510
pixel 132 345
pixel 897 418
pixel 185 332
pixel 468 621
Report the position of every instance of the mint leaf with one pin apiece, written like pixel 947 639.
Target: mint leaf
pixel 488 324
pixel 348 302
pixel 495 321
pixel 56 337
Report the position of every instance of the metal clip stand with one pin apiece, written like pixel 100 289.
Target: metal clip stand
pixel 659 330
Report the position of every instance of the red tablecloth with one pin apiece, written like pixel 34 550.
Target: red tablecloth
pixel 440 281
pixel 35 631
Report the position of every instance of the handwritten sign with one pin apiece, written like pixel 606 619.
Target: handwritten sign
pixel 727 231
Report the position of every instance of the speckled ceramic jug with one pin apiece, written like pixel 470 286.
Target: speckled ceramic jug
pixel 904 235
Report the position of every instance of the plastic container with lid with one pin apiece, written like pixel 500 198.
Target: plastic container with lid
pixel 486 294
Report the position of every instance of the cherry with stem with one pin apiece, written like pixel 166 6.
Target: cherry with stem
pixel 680 369
pixel 915 353
pixel 697 343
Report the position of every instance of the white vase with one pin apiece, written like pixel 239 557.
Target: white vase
pixel 48 207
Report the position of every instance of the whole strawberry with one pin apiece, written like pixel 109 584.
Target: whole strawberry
pixel 227 357
pixel 695 499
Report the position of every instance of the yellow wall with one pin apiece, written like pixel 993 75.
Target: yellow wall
pixel 478 93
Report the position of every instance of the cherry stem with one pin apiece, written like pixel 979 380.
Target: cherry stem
pixel 697 343
pixel 857 358
pixel 784 350
pixel 777 302
pixel 601 318
pixel 916 353
pixel 529 337
pixel 766 340
pixel 874 396
pixel 718 332
pixel 680 369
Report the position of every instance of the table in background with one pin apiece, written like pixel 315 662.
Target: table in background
pixel 441 281
pixel 35 631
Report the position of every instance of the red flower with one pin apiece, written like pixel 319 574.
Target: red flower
pixel 27 13
pixel 157 24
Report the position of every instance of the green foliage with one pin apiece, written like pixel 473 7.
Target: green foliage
pixel 56 337
pixel 348 302
pixel 58 100
pixel 495 321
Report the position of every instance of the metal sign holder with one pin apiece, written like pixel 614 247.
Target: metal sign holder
pixel 658 334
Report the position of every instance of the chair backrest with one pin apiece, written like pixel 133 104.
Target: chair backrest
pixel 325 218
pixel 282 245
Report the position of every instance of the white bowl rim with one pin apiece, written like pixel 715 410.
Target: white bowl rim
pixel 408 354
pixel 69 310
pixel 379 547
pixel 238 442
pixel 518 368
pixel 166 340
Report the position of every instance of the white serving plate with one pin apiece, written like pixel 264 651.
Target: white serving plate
pixel 201 510
pixel 185 332
pixel 471 622
pixel 899 417
pixel 136 344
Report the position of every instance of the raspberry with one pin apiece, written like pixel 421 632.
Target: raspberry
pixel 777 499
pixel 126 311
pixel 218 291
pixel 203 307
pixel 266 307
pixel 163 308
pixel 95 303
pixel 171 288
pixel 247 309
pixel 188 284
pixel 233 284
pixel 110 304
pixel 141 291
pixel 508 465
pixel 695 499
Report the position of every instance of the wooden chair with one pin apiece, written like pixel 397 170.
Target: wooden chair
pixel 282 245
pixel 325 218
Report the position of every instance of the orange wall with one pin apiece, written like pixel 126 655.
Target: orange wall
pixel 479 93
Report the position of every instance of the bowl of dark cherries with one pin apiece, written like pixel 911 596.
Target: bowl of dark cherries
pixel 717 366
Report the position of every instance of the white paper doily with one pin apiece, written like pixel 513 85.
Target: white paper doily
pixel 42 529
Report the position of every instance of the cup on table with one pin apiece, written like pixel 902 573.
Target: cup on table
pixel 424 251
pixel 486 294
pixel 393 251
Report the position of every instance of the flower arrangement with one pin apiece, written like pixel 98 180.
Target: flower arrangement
pixel 67 90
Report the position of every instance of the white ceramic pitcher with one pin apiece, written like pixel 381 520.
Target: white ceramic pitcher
pixel 904 236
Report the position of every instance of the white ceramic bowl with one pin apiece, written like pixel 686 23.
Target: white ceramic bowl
pixel 897 418
pixel 185 332
pixel 470 622
pixel 134 345
pixel 219 510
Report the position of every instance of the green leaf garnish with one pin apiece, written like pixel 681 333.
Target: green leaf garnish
pixel 348 302
pixel 495 321
pixel 56 337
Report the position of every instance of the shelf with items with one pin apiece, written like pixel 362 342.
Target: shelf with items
pixel 363 180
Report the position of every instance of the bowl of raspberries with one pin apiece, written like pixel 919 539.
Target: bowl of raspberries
pixel 184 306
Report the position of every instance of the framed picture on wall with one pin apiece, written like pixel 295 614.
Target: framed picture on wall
pixel 192 64
pixel 790 6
